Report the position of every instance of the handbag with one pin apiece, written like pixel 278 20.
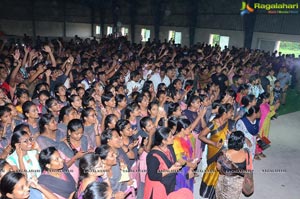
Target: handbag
pixel 248 184
pixel 264 143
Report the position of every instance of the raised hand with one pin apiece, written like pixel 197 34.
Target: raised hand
pixel 218 144
pixel 33 182
pixel 202 111
pixel 26 49
pixel 16 54
pixel 59 43
pixel 71 60
pixel 48 73
pixel 19 150
pixel 47 49
pixel 33 54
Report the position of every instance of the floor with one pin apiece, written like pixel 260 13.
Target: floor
pixel 278 175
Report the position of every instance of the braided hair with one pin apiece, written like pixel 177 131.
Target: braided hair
pixel 73 126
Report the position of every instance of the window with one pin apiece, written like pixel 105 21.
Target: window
pixel 98 30
pixel 287 47
pixel 222 41
pixel 145 33
pixel 109 30
pixel 124 31
pixel 176 36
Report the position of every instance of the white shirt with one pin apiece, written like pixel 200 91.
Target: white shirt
pixel 156 79
pixel 87 83
pixel 272 80
pixel 31 163
pixel 132 84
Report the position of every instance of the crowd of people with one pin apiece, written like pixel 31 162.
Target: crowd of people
pixel 110 119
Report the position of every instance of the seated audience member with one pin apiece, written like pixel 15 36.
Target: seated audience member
pixel 55 174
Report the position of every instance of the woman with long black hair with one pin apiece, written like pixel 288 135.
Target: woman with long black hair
pixel 218 130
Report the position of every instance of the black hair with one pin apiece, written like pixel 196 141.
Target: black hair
pixel 243 87
pixel 3 163
pixel 192 99
pixel 171 91
pixel 147 92
pixel 182 123
pixel 15 138
pixel 64 111
pixel 119 98
pixel 96 190
pixel 159 93
pixel 161 134
pixel 247 99
pixel 26 106
pixel 102 151
pixel 235 78
pixel 8 183
pixel 72 98
pixel 133 74
pixel 216 104
pixel 231 93
pixel 253 78
pixel 56 90
pixel 261 97
pixel 172 122
pixel 224 108
pixel 87 164
pixel 173 108
pixel 73 126
pixel 106 135
pixel 147 85
pixel 37 88
pixel 108 88
pixel 4 109
pixel 80 88
pixel 121 124
pixel 130 108
pixel 236 140
pixel 86 100
pixel 188 83
pixel 20 92
pixel 69 91
pixel 85 113
pixel 106 97
pixel 108 119
pixel 44 92
pixel 160 87
pixel 151 104
pixel 251 111
pixel 45 157
pixel 175 82
pixel 144 121
pixel 49 103
pixel 44 120
pixel 139 98
pixel 21 127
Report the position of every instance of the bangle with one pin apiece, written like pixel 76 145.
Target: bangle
pixel 97 135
